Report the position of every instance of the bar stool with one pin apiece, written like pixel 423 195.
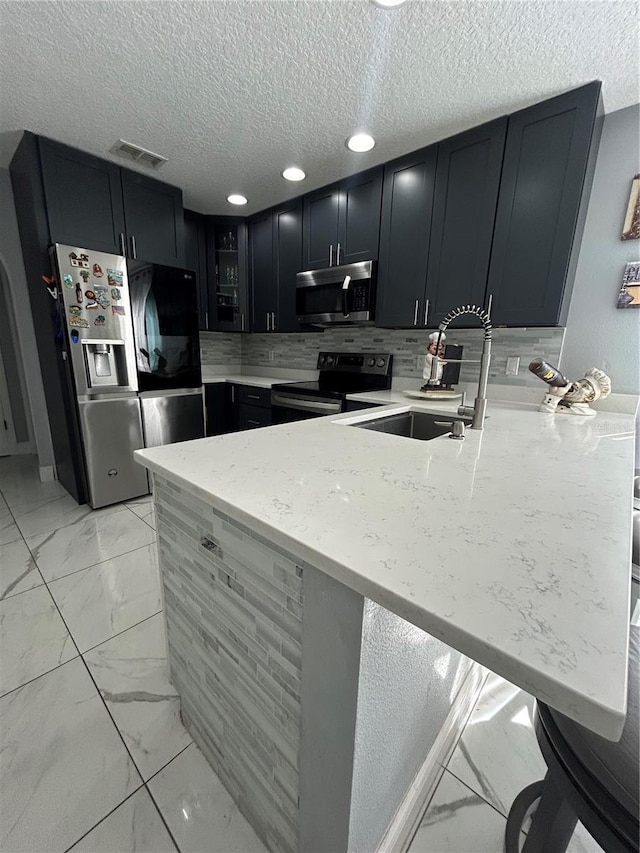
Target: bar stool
pixel 588 779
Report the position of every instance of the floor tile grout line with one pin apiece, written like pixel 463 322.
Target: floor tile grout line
pixel 133 761
pixel 150 792
pixel 473 791
pixel 42 674
pixel 102 819
pixel 93 565
pixel 170 761
pixel 120 633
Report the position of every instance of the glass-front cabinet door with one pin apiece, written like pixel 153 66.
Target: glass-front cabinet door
pixel 227 274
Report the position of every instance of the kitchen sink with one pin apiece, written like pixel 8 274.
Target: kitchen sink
pixel 419 425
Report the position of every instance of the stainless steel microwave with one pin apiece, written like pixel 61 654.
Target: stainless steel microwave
pixel 337 295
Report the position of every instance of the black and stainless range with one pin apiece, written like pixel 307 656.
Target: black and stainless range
pixel 341 373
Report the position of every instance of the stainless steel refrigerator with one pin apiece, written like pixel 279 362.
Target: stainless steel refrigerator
pixel 131 347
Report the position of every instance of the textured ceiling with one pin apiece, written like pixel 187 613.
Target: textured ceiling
pixel 233 91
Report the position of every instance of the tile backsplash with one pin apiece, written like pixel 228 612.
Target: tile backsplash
pixel 300 351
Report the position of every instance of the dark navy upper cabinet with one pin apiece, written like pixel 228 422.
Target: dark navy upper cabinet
pixel 83 198
pixel 359 218
pixel 264 291
pixel 195 258
pixel 95 204
pixel 287 262
pixel 275 257
pixel 321 228
pixel 546 179
pixel 342 222
pixel 464 211
pixel 154 219
pixel 407 205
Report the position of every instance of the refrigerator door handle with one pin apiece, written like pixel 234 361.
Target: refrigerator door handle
pixel 134 254
pixel 123 247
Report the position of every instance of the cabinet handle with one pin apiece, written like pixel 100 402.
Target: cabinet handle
pixel 273 321
pixel 489 304
pixel 134 254
pixel 123 248
pixel 415 313
pixel 242 322
pixel 253 397
pixel 331 255
pixel 268 315
pixel 206 319
pixel 426 311
pixel 253 423
pixel 233 393
pixel 338 247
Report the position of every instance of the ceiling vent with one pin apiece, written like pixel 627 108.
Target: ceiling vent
pixel 136 154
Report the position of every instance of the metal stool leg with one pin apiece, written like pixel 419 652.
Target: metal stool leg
pixel 553 824
pixel 518 812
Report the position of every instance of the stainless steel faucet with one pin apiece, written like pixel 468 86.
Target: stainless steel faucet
pixel 478 410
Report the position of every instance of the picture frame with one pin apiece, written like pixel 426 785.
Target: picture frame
pixel 629 294
pixel 631 226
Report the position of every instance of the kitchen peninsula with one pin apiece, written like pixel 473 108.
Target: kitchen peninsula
pixel 331 592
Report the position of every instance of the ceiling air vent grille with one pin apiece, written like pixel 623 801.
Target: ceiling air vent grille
pixel 136 154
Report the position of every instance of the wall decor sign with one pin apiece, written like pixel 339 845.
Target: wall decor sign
pixel 629 296
pixel 631 227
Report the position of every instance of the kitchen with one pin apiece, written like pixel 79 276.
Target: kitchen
pixel 400 208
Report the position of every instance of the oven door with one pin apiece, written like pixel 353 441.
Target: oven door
pixel 286 408
pixel 336 295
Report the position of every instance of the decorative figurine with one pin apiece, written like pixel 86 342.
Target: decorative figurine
pixel 571 398
pixel 431 354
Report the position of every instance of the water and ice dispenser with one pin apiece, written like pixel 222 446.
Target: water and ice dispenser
pixel 105 363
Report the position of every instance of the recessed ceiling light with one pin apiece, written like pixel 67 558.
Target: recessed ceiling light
pixel 360 142
pixel 235 198
pixel 293 173
pixel 388 4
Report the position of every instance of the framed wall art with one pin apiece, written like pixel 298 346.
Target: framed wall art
pixel 631 227
pixel 629 295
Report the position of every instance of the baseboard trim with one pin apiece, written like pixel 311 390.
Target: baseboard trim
pixel 47 473
pixel 409 813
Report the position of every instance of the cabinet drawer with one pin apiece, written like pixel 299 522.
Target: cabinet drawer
pixel 248 395
pixel 252 417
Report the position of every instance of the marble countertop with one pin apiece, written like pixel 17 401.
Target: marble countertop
pixel 512 546
pixel 244 379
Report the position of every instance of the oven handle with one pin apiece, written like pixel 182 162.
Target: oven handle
pixel 305 405
pixel 345 295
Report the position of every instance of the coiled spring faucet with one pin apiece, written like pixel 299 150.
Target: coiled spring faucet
pixel 478 410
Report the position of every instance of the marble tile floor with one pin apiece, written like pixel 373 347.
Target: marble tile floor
pixel 93 756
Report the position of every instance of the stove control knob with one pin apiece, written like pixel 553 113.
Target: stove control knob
pixel 322 360
pixel 381 362
pixel 371 362
pixel 330 359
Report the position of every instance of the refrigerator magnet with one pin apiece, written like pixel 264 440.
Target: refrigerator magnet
pixel 74 310
pixel 75 337
pixel 97 271
pixel 114 277
pixel 80 322
pixel 100 289
pixel 84 275
pixel 102 301
pixel 80 260
pixel 91 299
pixel 68 280
pixel 100 320
pixel 115 294
pixel 117 309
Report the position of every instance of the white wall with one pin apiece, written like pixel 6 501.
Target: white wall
pixel 11 258
pixel 599 334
